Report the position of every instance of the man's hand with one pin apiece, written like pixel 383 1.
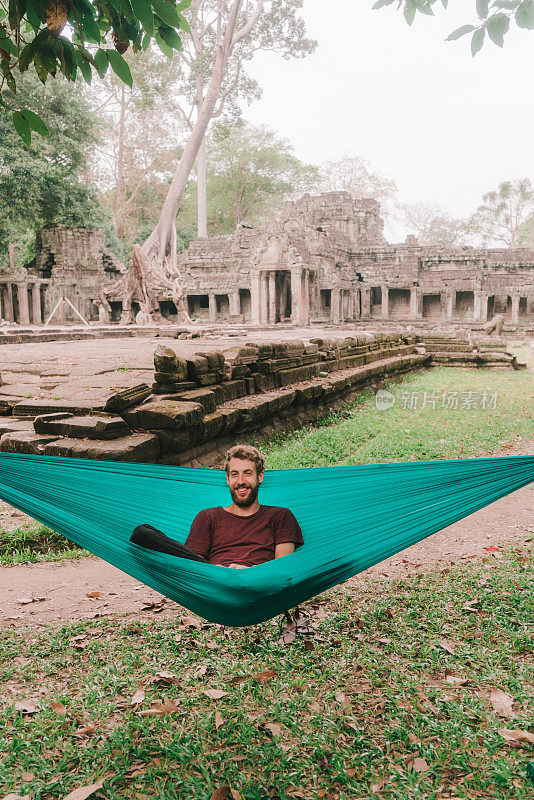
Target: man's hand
pixel 238 566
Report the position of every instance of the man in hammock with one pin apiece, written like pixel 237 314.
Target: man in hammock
pixel 243 534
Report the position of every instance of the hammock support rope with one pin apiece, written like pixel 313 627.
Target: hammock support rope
pixel 351 517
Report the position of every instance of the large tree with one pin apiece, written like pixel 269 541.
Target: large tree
pixel 274 27
pixel 251 172
pixel 433 225
pixel 354 175
pixel 494 17
pixel 43 183
pixel 502 216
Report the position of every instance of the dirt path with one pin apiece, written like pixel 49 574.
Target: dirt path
pixel 51 593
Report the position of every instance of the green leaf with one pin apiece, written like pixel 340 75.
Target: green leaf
pixel 22 126
pixel 167 12
pixel 143 11
pixel 126 10
pixel 90 29
pixel 524 16
pixel 170 37
pixel 120 67
pixel 497 26
pixel 101 62
pixel 7 44
pixel 382 3
pixel 26 57
pixel 482 8
pixel 36 123
pixel 460 32
pixel 409 11
pixel 85 67
pixel 184 24
pixel 477 40
pixel 146 42
pixel 165 49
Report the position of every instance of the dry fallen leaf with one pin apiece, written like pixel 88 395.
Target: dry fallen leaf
pixel 266 675
pixel 14 796
pixel 218 720
pixel 420 765
pixel 138 697
pixel 502 703
pixel 94 594
pixel 27 776
pixel 214 694
pixel 450 647
pixel 166 706
pixel 516 736
pixel 239 678
pixel 87 730
pixel 84 791
pixel 456 680
pixel 342 699
pixel 165 677
pixel 224 792
pixel 59 708
pixel 275 729
pixel 191 622
pixel 26 706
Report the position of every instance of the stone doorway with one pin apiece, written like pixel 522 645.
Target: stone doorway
pixel 244 304
pixel 399 303
pixel 432 306
pixel 499 304
pixel 465 305
pixel 283 296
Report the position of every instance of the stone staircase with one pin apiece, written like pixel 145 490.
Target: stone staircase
pixel 485 352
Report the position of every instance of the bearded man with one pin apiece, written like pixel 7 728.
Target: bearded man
pixel 244 533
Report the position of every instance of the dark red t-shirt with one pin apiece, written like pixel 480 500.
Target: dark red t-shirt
pixel 224 538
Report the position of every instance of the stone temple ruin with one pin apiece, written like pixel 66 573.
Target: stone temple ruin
pixel 323 260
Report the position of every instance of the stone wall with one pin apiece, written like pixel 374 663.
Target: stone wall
pixel 69 262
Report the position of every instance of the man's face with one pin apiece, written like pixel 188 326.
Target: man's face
pixel 243 481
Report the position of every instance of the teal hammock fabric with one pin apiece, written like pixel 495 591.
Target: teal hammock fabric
pixel 351 518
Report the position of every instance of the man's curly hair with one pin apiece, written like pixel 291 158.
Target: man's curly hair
pixel 247 453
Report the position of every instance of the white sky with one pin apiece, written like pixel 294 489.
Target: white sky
pixel 445 126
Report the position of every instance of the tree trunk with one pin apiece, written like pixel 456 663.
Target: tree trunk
pixel 202 199
pixel 120 191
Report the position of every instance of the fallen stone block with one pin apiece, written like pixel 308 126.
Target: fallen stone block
pixel 212 425
pixel 34 408
pixel 91 427
pixel 214 358
pixel 127 398
pixel 207 379
pixel 159 414
pixel 196 365
pixel 203 396
pixel 176 441
pixel 141 447
pixel 160 387
pixel 11 425
pixel 234 389
pixel 232 418
pixel 40 424
pixel 165 359
pixel 26 442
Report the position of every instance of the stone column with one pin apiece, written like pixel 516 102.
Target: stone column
pixel 233 300
pixel 483 307
pixel 365 293
pixel 36 303
pixel 24 309
pixel 414 302
pixel 8 303
pixel 212 307
pixel 450 303
pixel 335 303
pixel 477 306
pixel 296 296
pixel 264 303
pixel 306 297
pixel 255 298
pixel 385 302
pixel 272 297
pixel 355 304
pixel 515 308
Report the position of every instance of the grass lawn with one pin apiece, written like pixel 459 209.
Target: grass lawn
pixel 404 693
pixel 31 543
pixel 436 414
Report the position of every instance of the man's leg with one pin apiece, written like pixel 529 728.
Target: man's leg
pixel 149 537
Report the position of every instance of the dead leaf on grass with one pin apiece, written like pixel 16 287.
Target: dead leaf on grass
pixel 218 720
pixel 455 680
pixel 275 729
pixel 27 707
pixel 448 646
pixel 27 776
pixel 342 699
pixel 14 796
pixel 160 708
pixel 420 765
pixel 86 731
pixel 165 677
pixel 516 736
pixel 59 708
pixel 502 702
pixel 239 678
pixel 214 694
pixel 265 675
pixel 84 791
pixel 225 792
pixel 138 697
pixel 191 622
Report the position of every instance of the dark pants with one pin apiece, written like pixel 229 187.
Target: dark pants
pixel 152 539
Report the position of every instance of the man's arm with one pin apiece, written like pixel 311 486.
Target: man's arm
pixel 284 549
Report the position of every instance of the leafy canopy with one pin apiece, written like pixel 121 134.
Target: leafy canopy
pixel 494 15
pixel 42 183
pixel 68 37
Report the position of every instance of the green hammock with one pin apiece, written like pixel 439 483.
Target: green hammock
pixel 351 518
